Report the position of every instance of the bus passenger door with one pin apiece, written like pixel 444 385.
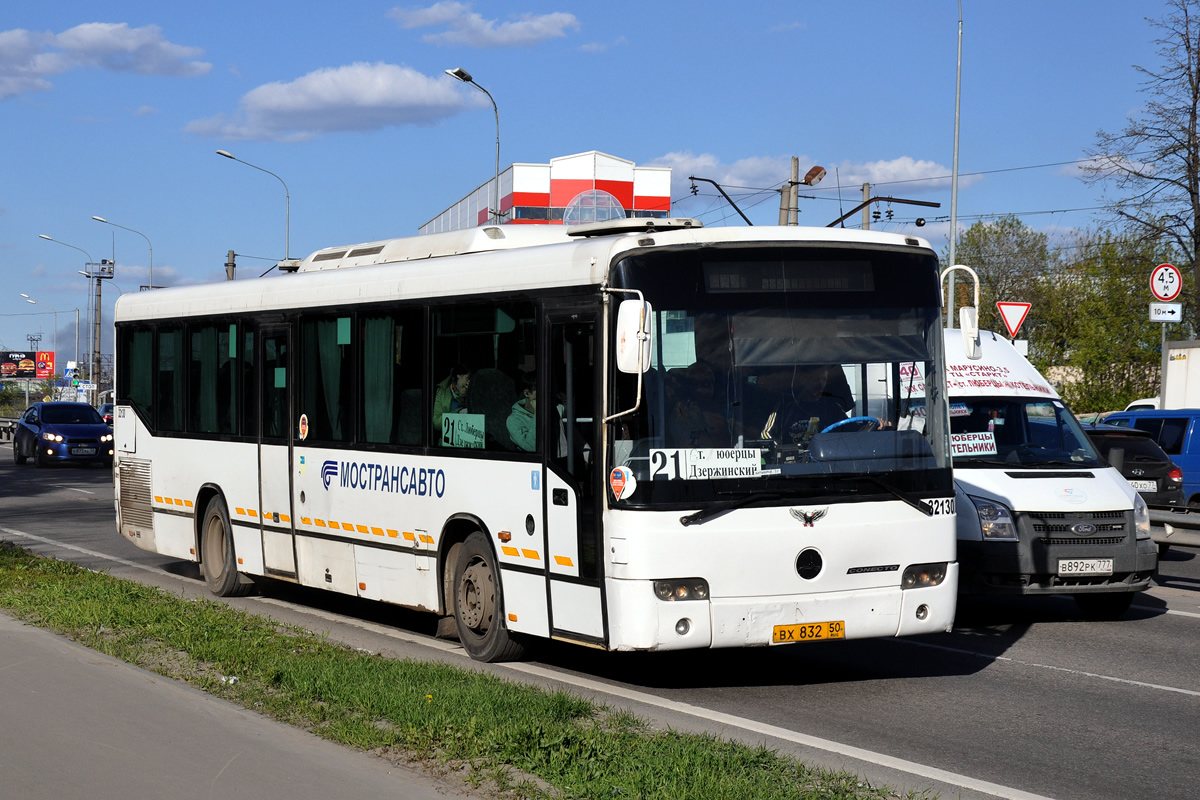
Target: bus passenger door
pixel 275 452
pixel 570 431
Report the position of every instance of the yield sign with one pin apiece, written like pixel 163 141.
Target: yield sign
pixel 1013 315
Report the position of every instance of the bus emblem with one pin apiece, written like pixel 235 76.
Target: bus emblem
pixel 329 471
pixel 808 517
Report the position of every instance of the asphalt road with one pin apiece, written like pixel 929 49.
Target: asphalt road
pixel 1023 699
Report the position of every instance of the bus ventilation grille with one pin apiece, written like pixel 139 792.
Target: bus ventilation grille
pixel 136 507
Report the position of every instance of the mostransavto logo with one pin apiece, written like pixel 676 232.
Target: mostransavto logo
pixel 371 477
pixel 329 471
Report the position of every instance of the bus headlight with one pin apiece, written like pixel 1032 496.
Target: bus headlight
pixel 681 589
pixel 995 520
pixel 921 575
pixel 1141 517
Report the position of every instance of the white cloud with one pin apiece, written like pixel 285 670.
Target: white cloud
pixel 144 111
pixel 466 27
pixel 351 98
pixel 28 58
pixel 604 47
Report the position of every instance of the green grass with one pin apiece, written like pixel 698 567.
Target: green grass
pixel 501 736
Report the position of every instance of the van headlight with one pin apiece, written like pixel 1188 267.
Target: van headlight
pixel 995 520
pixel 1141 517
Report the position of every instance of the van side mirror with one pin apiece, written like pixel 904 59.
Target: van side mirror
pixel 968 321
pixel 633 336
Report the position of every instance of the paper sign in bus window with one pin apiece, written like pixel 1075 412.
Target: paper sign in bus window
pixel 973 444
pixel 706 463
pixel 463 430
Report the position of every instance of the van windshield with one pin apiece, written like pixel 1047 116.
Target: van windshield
pixel 1014 431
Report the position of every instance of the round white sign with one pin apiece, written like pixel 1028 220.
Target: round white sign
pixel 1165 282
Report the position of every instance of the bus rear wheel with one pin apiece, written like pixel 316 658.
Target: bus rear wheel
pixel 216 553
pixel 479 604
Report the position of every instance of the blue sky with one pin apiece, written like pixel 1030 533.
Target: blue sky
pixel 116 110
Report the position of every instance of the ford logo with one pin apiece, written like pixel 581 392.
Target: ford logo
pixel 1083 529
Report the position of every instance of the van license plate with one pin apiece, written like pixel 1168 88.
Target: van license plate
pixel 1085 566
pixel 1145 486
pixel 811 632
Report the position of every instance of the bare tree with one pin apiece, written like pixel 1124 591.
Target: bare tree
pixel 1155 161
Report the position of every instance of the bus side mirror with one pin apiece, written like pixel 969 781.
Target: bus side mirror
pixel 633 336
pixel 968 321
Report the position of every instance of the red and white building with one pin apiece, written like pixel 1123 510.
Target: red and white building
pixel 587 187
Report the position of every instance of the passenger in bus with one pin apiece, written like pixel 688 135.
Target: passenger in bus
pixel 451 394
pixel 789 404
pixel 522 420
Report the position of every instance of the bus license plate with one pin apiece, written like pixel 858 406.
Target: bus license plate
pixel 810 632
pixel 1145 486
pixel 83 451
pixel 1085 566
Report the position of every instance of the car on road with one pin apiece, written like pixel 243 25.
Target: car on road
pixel 106 412
pixel 62 432
pixel 1141 461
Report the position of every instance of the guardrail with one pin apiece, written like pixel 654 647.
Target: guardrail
pixel 7 427
pixel 1175 526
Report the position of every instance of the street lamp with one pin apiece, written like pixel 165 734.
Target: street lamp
pixel 458 73
pixel 139 233
pixel 94 371
pixel 54 311
pixel 287 223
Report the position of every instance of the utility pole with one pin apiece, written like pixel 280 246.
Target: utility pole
pixel 866 225
pixel 230 265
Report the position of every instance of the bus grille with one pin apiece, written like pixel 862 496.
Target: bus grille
pixel 136 507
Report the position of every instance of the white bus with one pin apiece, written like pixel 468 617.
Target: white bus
pixel 622 465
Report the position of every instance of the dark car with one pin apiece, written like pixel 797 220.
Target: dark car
pixel 62 432
pixel 106 411
pixel 1141 461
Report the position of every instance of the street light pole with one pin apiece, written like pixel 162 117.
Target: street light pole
pixel 94 370
pixel 54 311
pixel 287 222
pixel 139 233
pixel 458 73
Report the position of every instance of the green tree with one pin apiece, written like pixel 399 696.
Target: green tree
pixel 1092 330
pixel 1155 161
pixel 1009 258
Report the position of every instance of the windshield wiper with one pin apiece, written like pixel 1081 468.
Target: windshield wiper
pixel 915 502
pixel 717 509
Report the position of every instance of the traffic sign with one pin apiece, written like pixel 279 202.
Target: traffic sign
pixel 1166 312
pixel 1165 283
pixel 1013 315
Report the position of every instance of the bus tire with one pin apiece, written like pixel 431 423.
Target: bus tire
pixel 479 604
pixel 1109 605
pixel 216 553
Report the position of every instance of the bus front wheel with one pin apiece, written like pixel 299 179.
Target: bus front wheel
pixel 479 604
pixel 216 552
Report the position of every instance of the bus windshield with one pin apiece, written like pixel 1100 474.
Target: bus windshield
pixel 790 371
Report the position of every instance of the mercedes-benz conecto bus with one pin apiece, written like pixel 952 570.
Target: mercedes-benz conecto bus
pixel 641 435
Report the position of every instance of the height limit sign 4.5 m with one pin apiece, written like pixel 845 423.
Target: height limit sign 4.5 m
pixel 1165 283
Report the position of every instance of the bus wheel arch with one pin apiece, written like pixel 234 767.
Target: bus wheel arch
pixel 218 559
pixel 475 598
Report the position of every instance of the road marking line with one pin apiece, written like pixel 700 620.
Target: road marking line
pixel 85 551
pixel 871 757
pixel 72 488
pixel 1009 659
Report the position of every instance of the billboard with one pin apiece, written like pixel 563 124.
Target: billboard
pixel 27 364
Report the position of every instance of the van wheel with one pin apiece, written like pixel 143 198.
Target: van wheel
pixel 1110 605
pixel 217 556
pixel 479 604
